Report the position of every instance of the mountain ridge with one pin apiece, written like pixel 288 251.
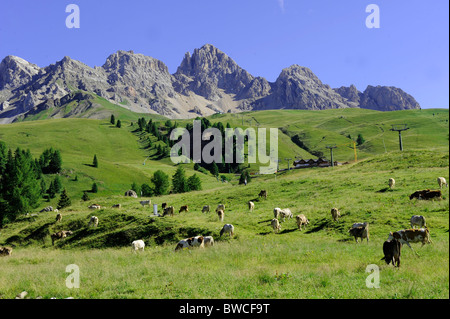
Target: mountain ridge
pixel 207 81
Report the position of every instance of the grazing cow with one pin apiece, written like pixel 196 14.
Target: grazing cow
pixel 209 241
pixel 93 221
pixel 407 236
pixel 131 193
pixel 163 206
pixel 58 217
pixel 60 235
pixel 251 206
pixel 275 225
pixel 145 202
pixel 418 220
pixel 220 207
pixel 227 229
pixel 335 214
pixel 276 212
pixel 263 193
pixel 426 194
pixel 168 211
pixel 221 214
pixel 441 181
pixel 191 242
pixel 360 230
pixel 94 206
pixel 183 209
pixel 392 251
pixel 117 206
pixel 391 183
pixel 46 209
pixel 137 245
pixel 301 220
pixel 205 209
pixel 5 251
pixel 286 213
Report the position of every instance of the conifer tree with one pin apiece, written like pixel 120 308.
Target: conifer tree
pixel 64 200
pixel 95 161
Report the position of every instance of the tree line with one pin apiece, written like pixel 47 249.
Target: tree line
pixel 21 180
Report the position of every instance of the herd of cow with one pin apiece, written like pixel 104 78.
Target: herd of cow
pixel 391 247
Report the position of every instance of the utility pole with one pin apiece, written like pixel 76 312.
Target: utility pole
pixel 331 150
pixel 288 159
pixel 399 128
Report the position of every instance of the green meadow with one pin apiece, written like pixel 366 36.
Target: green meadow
pixel 320 262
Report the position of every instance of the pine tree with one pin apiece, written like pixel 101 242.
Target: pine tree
pixel 119 124
pixel 161 183
pixel 55 163
pixel 85 197
pixel 214 169
pixel 146 190
pixel 194 183
pixel 95 161
pixel 360 140
pixel 113 119
pixel 64 200
pixel 94 188
pixel 179 183
pixel 57 184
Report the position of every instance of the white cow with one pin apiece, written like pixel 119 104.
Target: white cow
pixel 251 206
pixel 276 212
pixel 145 202
pixel 227 229
pixel 208 241
pixel 95 206
pixel 275 225
pixel 391 183
pixel 93 221
pixel 286 213
pixel 138 245
pixel 441 181
pixel 205 209
pixel 221 214
pixel 418 220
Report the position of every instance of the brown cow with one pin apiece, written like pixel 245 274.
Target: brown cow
pixel 168 211
pixel 263 193
pixel 183 209
pixel 360 230
pixel 5 251
pixel 60 235
pixel 407 236
pixel 426 194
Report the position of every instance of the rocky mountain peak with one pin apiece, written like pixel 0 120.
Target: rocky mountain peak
pixel 15 72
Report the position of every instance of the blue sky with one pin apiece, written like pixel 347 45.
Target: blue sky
pixel 410 50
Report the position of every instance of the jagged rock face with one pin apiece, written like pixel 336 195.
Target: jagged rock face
pixel 299 88
pixel 209 69
pixel 206 82
pixel 15 72
pixel 387 98
pixel 350 93
pixel 138 75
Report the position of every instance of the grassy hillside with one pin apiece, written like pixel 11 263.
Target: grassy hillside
pixel 322 261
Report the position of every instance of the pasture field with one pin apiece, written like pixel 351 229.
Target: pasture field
pixel 320 262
